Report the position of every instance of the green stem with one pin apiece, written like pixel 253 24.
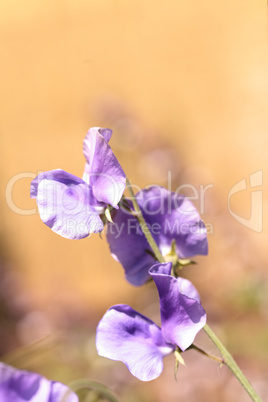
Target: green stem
pixel 227 358
pixel 218 359
pixel 144 226
pixel 230 362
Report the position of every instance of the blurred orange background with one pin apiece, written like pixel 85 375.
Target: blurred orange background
pixel 184 86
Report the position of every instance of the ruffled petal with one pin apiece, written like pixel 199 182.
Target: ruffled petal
pixel 125 335
pixel 187 288
pixel 103 171
pixel 20 386
pixel 176 219
pixel 66 204
pixel 56 174
pixel 169 217
pixel 182 316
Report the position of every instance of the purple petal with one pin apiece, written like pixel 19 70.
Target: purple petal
pixel 187 288
pixel 103 171
pixel 125 335
pixel 56 174
pixel 105 132
pixel 60 392
pixel 177 219
pixel 19 386
pixel 182 316
pixel 169 216
pixel 129 247
pixel 66 204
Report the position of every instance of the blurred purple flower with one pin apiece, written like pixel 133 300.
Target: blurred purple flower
pixel 71 206
pixel 20 386
pixel 169 216
pixel 124 334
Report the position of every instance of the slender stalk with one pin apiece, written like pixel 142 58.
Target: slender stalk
pixel 216 358
pixel 230 362
pixel 144 225
pixel 227 358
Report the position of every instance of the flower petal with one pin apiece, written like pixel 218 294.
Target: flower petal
pixel 182 316
pixel 103 171
pixel 177 219
pixel 105 132
pixel 66 204
pixel 129 246
pixel 20 386
pixel 169 216
pixel 56 174
pixel 125 335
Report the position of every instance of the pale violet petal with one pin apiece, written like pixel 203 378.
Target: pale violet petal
pixel 103 171
pixel 125 335
pixel 21 386
pixel 66 204
pixel 182 317
pixel 176 219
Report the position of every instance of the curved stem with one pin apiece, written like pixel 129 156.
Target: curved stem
pixel 227 358
pixel 92 386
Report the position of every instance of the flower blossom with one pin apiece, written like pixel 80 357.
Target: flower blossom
pixel 71 206
pixel 169 216
pixel 20 386
pixel 124 334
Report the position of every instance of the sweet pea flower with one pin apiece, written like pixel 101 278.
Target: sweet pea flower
pixel 170 217
pixel 20 386
pixel 125 335
pixel 72 207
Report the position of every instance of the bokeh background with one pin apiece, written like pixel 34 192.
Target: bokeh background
pixel 184 86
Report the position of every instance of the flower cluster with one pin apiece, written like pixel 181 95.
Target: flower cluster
pixel 74 208
pixel 170 217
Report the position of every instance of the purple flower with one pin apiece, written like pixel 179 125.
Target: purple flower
pixel 182 315
pixel 124 334
pixel 169 216
pixel 19 386
pixel 71 206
